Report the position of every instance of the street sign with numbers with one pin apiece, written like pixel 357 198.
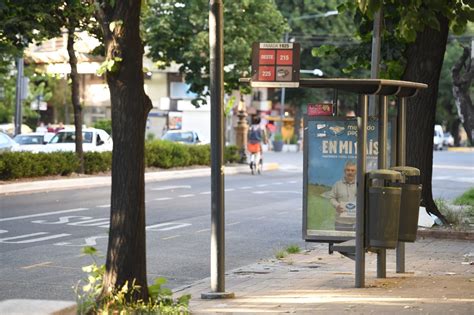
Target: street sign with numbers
pixel 275 65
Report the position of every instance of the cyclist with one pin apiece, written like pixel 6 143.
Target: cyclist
pixel 256 135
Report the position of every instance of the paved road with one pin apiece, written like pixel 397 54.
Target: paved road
pixel 42 234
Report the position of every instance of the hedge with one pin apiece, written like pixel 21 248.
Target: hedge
pixel 161 154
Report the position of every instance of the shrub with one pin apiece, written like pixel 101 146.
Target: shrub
pixel 96 162
pixel 26 164
pixel 231 154
pixel 200 154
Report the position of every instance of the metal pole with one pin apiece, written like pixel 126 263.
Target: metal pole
pixel 360 209
pixel 283 92
pixel 19 89
pixel 382 163
pixel 375 57
pixel 401 161
pixel 216 38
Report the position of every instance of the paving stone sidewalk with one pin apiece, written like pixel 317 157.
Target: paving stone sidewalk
pixel 439 280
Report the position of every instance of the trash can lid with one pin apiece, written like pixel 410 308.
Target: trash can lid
pixel 407 170
pixel 385 174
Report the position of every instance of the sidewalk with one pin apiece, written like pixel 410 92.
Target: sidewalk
pixel 439 280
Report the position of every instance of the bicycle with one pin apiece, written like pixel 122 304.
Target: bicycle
pixel 255 155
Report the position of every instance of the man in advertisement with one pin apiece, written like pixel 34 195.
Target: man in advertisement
pixel 343 197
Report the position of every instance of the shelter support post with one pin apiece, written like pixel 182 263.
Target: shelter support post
pixel 401 161
pixel 360 209
pixel 382 164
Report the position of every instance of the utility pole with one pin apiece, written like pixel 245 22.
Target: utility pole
pixel 19 96
pixel 216 44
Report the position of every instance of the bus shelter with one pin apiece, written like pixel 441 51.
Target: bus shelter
pixel 366 131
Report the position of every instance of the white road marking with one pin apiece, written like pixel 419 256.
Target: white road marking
pixel 260 218
pixel 33 240
pixel 282 213
pixel 172 187
pixel 204 230
pixel 292 182
pixel 174 225
pixel 229 189
pixel 246 187
pixel 103 206
pixel 93 222
pixel 454 179
pixel 37 265
pixel 234 223
pixel 170 237
pixel 261 192
pixel 3 231
pixel 262 185
pixel 278 183
pixel 205 193
pixel 89 241
pixel 42 214
pixel 454 167
pixel 162 199
pixel 186 196
pixel 62 220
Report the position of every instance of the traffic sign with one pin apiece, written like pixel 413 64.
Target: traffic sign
pixel 275 65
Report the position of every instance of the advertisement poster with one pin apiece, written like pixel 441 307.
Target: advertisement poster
pixel 331 173
pixel 175 120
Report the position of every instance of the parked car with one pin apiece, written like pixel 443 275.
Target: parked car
pixel 93 140
pixel 7 143
pixel 448 140
pixel 33 142
pixel 438 138
pixel 183 136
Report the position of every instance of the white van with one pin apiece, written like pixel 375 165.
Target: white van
pixel 438 138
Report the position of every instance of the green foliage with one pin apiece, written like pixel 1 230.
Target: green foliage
pixel 201 154
pixel 97 162
pixel 180 34
pixel 459 217
pixel 278 137
pixel 280 254
pixel 91 298
pixel 293 249
pixel 231 154
pixel 105 124
pixel 15 165
pixel 466 198
pixel 158 153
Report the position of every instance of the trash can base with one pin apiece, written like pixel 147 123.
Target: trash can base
pixel 383 244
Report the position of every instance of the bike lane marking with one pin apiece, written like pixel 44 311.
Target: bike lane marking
pixel 42 214
pixel 10 240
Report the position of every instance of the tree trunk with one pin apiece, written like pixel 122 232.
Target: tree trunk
pixel 424 61
pixel 126 254
pixel 76 104
pixel 461 85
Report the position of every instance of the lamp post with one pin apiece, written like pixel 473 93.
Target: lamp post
pixel 283 90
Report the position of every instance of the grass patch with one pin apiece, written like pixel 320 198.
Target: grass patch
pixel 293 249
pixel 281 254
pixel 458 216
pixel 466 199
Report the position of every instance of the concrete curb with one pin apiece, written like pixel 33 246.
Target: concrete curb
pixel 103 181
pixel 446 234
pixel 38 307
pixel 461 149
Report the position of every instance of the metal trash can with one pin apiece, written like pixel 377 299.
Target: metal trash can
pixel 383 208
pixel 410 203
